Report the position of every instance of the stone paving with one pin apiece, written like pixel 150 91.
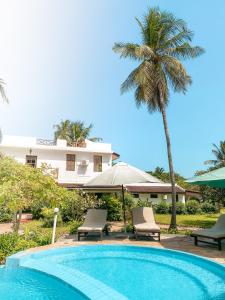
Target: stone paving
pixel 170 241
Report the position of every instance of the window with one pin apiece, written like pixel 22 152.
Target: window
pixel 31 161
pixel 136 195
pixel 154 196
pixel 97 163
pixel 177 198
pixel 70 162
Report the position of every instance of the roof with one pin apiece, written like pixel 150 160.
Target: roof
pixel 121 174
pixel 162 188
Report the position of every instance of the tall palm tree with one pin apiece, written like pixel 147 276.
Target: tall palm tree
pixel 219 153
pixel 74 132
pixel 165 41
pixel 2 91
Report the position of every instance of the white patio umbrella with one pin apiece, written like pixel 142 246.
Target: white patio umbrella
pixel 116 178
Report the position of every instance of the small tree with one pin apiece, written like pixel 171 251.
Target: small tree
pixel 22 187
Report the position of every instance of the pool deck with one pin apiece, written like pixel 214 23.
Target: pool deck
pixel 170 241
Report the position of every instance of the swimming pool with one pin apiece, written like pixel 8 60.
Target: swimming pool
pixel 27 284
pixel 129 272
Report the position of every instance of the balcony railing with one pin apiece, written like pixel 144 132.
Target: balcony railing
pixel 45 142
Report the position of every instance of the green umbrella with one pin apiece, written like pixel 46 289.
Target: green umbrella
pixel 214 178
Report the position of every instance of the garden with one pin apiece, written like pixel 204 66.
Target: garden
pixel 25 189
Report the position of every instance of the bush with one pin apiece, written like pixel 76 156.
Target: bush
pixel 180 208
pixel 208 207
pixel 48 217
pixel 143 203
pixel 162 208
pixel 74 226
pixel 40 237
pixel 193 207
pixel 75 205
pixel 5 215
pixel 8 243
pixel 11 243
pixel 129 228
pixel 113 205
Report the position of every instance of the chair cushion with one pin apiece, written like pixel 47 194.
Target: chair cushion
pixel 147 227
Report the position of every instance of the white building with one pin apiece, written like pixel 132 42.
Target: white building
pixel 71 165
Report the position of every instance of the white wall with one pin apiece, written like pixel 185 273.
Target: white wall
pixel 57 159
pixel 181 198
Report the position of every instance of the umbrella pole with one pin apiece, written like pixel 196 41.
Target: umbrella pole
pixel 124 208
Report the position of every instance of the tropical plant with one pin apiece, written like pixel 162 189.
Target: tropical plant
pixel 219 153
pixel 165 41
pixel 62 130
pixel 161 174
pixel 74 132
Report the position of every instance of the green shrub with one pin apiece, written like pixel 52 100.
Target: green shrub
pixel 180 208
pixel 39 236
pixel 208 207
pixel 48 217
pixel 143 203
pixel 11 243
pixel 23 244
pixel 162 207
pixel 8 242
pixel 75 205
pixel 74 226
pixel 193 207
pixel 129 227
pixel 113 205
pixel 5 215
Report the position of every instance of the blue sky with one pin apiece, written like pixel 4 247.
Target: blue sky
pixel 56 58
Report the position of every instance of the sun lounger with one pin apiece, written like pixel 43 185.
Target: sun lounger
pixel 144 222
pixel 216 233
pixel 95 222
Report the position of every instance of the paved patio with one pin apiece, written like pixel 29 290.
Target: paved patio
pixel 170 241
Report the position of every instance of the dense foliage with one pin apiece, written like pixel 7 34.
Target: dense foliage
pixel 191 207
pixel 23 187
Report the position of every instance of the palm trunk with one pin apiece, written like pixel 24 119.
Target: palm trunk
pixel 173 222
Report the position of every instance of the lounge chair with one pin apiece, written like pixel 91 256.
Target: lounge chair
pixel 95 222
pixel 144 222
pixel 216 233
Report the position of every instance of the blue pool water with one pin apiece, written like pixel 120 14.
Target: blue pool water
pixel 31 285
pixel 128 272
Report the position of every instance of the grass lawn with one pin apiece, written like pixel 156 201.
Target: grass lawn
pixel 37 225
pixel 202 221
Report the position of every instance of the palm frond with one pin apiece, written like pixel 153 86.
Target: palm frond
pixel 2 91
pixel 185 51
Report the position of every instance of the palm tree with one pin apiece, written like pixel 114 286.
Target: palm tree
pixel 165 41
pixel 78 133
pixel 2 91
pixel 219 153
pixel 74 132
pixel 62 130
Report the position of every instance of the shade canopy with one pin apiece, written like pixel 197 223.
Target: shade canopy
pixel 214 178
pixel 118 175
pixel 115 178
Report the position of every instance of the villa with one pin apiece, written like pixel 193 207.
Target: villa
pixel 72 166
